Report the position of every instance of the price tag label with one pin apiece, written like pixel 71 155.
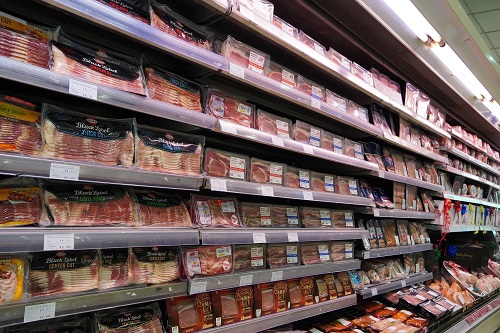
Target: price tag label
pixel 374 292
pixel 246 280
pixel 277 141
pixel 267 191
pixel 197 287
pixel 227 127
pixel 247 13
pixel 277 276
pixel 316 103
pixel 64 171
pixel 57 242
pixel 293 237
pixel 308 195
pixel 403 283
pixel 259 237
pixel 82 89
pixel 308 149
pixel 39 312
pixel 218 185
pixel 367 255
pixel 237 70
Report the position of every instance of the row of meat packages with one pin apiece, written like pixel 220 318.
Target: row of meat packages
pixel 391 233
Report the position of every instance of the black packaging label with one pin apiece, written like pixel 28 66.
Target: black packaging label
pixel 172 142
pixel 156 253
pixel 85 193
pixel 114 256
pixel 180 28
pixel 157 199
pixel 62 260
pixel 131 7
pixel 128 318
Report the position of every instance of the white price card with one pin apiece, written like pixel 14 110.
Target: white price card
pixel 39 312
pixel 218 185
pixel 82 89
pixel 316 103
pixel 403 283
pixel 64 171
pixel 293 237
pixel 308 149
pixel 197 287
pixel 267 191
pixel 227 127
pixel 374 292
pixel 237 70
pixel 366 255
pixel 259 237
pixel 308 195
pixel 277 141
pixel 246 280
pixel 247 13
pixel 277 276
pixel 58 242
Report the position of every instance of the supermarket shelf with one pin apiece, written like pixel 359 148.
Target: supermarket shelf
pixel 463 228
pixel 81 303
pixel 242 187
pixel 414 148
pixel 46 79
pixel 292 145
pixel 391 251
pixel 471 200
pixel 497 239
pixel 457 136
pixel 406 180
pixel 202 284
pixel 470 159
pixel 371 291
pixel 33 238
pixel 396 213
pixel 278 235
pixel 468 175
pixel 27 166
pixel 282 318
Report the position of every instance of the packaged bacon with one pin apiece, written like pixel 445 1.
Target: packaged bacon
pixel 282 74
pixel 362 73
pixel 404 130
pixel 263 8
pixel 411 197
pixel 404 236
pixel 220 163
pixel 207 260
pixel 321 182
pixel 314 253
pixel 63 272
pixel 358 111
pixel 399 195
pixel 20 124
pixel 189 313
pixel 249 257
pixel 336 101
pixel 342 218
pixel 315 217
pixel 270 298
pixel 310 88
pixel 255 215
pixel 418 322
pixel 20 202
pixel 301 292
pixel 411 166
pixel 136 9
pixel 233 305
pixel 305 133
pixel 267 172
pixel 282 255
pixel 86 205
pixel 297 178
pixel 80 137
pixel 153 265
pixel 379 120
pixel 114 268
pixel 339 59
pixel 316 46
pixel 272 124
pixel 245 56
pixel 353 149
pixel 69 324
pixel 411 98
pixel 340 250
pixel 12 279
pixel 214 212
pixel 285 26
pixel 136 318
pixel 347 186
pixel 285 216
pixel 229 108
pixel 422 104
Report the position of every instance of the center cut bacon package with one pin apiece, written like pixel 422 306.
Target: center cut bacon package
pixel 207 260
pixel 220 163
pixel 153 265
pixel 69 324
pixel 20 202
pixel 138 9
pixel 229 108
pixel 113 268
pixel 214 212
pixel 137 318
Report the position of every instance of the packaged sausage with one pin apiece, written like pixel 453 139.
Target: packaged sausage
pixel 114 268
pixel 358 111
pixel 339 59
pixel 214 211
pixel 396 269
pixel 347 186
pixel 285 216
pixel 249 257
pixel 267 172
pixel 272 124
pixel 332 142
pixel 245 56
pixel 282 255
pixel 297 178
pixel 13 277
pixel 222 106
pixel 282 74
pixel 315 217
pixel 325 288
pixel 310 88
pixel 312 43
pixel 314 253
pixel 190 313
pixel 255 215
pixel 301 292
pixel 389 230
pixel 233 305
pixel 340 250
pixel 342 218
pixel 270 298
pixel 207 260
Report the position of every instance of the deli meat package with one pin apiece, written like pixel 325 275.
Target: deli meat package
pixel 152 265
pixel 228 108
pixel 282 255
pixel 63 272
pixel 86 205
pixel 214 212
pixel 80 137
pixel 305 133
pixel 157 208
pixel 163 150
pixel 23 41
pixel 207 260
pixel 191 313
pixel 173 89
pixel 297 178
pixel 245 56
pixel 314 253
pixel 94 63
pixel 321 182
pixel 249 257
pixel 113 268
pixel 301 292
pixel 341 250
pixel 165 19
pixel 70 324
pixel 285 26
pixel 316 46
pixel 270 298
pixel 233 305
pixel 255 215
pixel 19 126
pixel 136 318
pixel 136 9
pixel 267 172
pixel 220 163
pixel 20 202
pixel 311 88
pixel 12 279
pixel 347 186
pixel 342 218
pixel 339 59
pixel 263 8
pixel 332 142
pixel 272 124
pixel 325 288
pixel 312 217
pixel 282 74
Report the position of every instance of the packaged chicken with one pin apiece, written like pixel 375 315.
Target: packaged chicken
pixel 347 186
pixel 321 182
pixel 332 142
pixel 315 217
pixel 340 250
pixel 342 218
pixel 363 74
pixel 12 278
pixel 339 59
pixel 255 215
pixel 311 43
pixel 297 178
pixel 228 108
pixel 285 26
pixel 389 230
pixel 249 257
pixel 207 260
pixel 282 255
pixel 311 88
pixel 266 172
pixel 190 313
pixel 245 56
pixel 314 253
pixel 220 163
pixel 399 195
pixel 358 111
pixel 233 305
pixel 285 216
pixel 272 124
pixel 282 74
pixel 214 212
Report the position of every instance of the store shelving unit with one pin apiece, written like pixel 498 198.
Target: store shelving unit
pixel 458 136
pixel 471 200
pixel 396 213
pixel 470 159
pixel 463 228
pixel 458 172
pixel 392 251
pixel 374 290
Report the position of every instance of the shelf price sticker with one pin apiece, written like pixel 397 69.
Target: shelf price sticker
pixel 197 287
pixel 277 276
pixel 267 191
pixel 64 171
pixel 277 141
pixel 82 89
pixel 218 185
pixel 39 312
pixel 293 237
pixel 316 103
pixel 308 149
pixel 374 291
pixel 237 70
pixel 246 280
pixel 259 237
pixel 308 195
pixel 227 127
pixel 58 242
pixel 403 283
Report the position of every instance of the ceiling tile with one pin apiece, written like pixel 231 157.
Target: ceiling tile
pixel 494 37
pixel 489 21
pixel 482 5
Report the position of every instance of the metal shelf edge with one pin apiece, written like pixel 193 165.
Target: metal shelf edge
pixel 468 175
pixel 471 200
pixel 393 285
pixel 392 251
pixel 472 160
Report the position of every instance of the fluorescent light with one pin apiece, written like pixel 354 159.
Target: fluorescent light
pixel 493 106
pixel 412 17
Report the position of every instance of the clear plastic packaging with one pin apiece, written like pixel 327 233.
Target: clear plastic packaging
pixel 370 225
pixel 404 236
pixel 12 279
pixel 136 9
pixel 147 319
pixel 322 182
pixel 207 260
pixel 399 163
pixel 411 166
pixel 113 268
pixel 432 112
pixel 390 232
pixel 285 216
pixel 411 197
pixel 282 255
pixel 229 108
pixel 263 8
pixel 415 136
pixel 190 313
pixel 362 73
pixel 336 101
pixel 399 195
pixel 381 198
pixel 81 137
pixel 285 26
pixel 304 38
pixel 282 74
pixel 342 218
pixel 249 257
pixel 379 119
pixel 411 97
pixel 341 250
pixel 256 215
pixel 153 265
pixel 20 202
pixel 167 151
pixel 315 217
pixel 245 56
pixel 297 178
pixel 305 133
pixel 422 104
pixel 404 130
pixel 339 59
pixel 266 172
pixel 65 324
pixel 380 234
pixel 220 163
pixel 347 186
pixel 214 211
pixel 314 253
pixel 358 111
pixel 353 149
pixel 332 142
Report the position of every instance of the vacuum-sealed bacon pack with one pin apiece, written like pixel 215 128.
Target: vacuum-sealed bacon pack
pixel 113 268
pixel 229 108
pixel 220 163
pixel 214 211
pixel 191 313
pixel 249 257
pixel 244 55
pixel 207 260
pixel 20 202
pixel 136 318
pixel 153 265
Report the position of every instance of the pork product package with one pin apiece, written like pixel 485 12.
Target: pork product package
pixel 399 163
pixel 312 217
pixel 94 63
pixel 311 88
pixel 347 186
pixel 267 172
pixel 314 253
pixel 316 46
pixel 411 197
pixel 381 199
pixel 380 235
pixel 153 265
pixel 297 178
pixel 285 26
pixel 114 268
pixel 272 124
pixel 283 255
pixel 20 202
pixel 135 318
pixel 214 211
pixel 338 325
pixel 432 310
pixel 136 9
pixel 282 74
pixel 337 101
pixel 385 312
pixel 167 151
pixel 370 226
pixel 173 89
pixel 379 120
pixel 249 257
pixel 422 104
pixel 415 136
pixel 157 208
pixel 365 321
pixel 63 272
pixel 23 41
pixel 270 298
pixel 358 111
pixel 342 218
pixel 233 305
pixel 340 250
pixel 332 142
pixel 256 215
pixel 362 73
pixel 87 205
pixel 285 216
pixel 263 8
pixel 20 126
pixel 207 260
pixel 190 313
pixel 229 108
pixel 353 149
pixel 301 292
pixel 411 97
pixel 411 166
pixel 403 234
pixel 364 277
pixel 404 130
pixel 12 279
pixel 165 19
pixel 70 324
pixel 338 286
pixel 220 163
pixel 339 59
pixel 245 56
pixel 75 136
pixel 343 277
pixel 399 195
pixel 322 182
pixel 305 133
pixel 356 281
pixel 324 288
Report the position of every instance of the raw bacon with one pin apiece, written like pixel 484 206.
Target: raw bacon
pixel 159 209
pixel 207 260
pixel 219 163
pixel 214 212
pixel 247 257
pixel 152 265
pixel 230 109
pixel 256 215
pixel 132 319
pixel 113 268
pixel 11 279
pixel 19 205
pixel 244 55
pixel 136 9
